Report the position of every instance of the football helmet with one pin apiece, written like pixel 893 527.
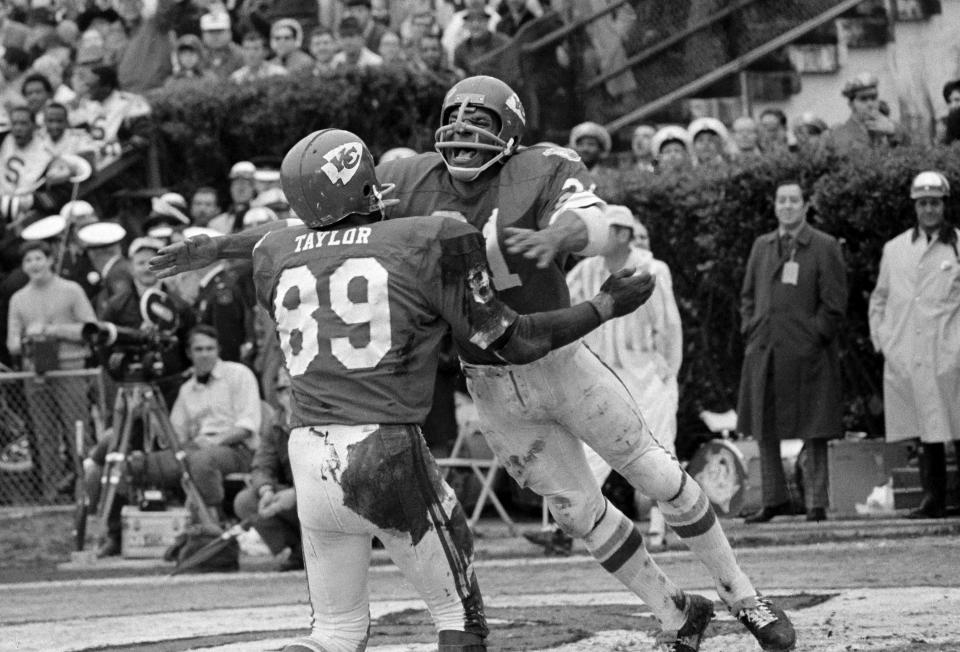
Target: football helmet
pixel 466 96
pixel 929 184
pixel 329 175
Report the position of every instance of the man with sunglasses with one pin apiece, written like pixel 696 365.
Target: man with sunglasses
pixel 866 127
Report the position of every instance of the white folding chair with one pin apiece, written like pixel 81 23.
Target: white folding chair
pixel 485 469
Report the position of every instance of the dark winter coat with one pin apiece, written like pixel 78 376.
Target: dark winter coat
pixel 794 328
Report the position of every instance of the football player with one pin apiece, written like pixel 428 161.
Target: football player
pixel 360 307
pixel 534 205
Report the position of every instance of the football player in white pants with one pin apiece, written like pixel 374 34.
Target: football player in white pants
pixel 644 348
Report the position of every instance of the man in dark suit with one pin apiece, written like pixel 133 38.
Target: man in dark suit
pixel 793 298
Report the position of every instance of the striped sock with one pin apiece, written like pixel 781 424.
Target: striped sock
pixel 616 543
pixel 690 514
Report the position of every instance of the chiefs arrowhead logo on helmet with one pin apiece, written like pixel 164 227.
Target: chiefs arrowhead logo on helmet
pixel 342 162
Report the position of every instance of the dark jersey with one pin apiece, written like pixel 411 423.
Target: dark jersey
pixel 360 312
pixel 532 186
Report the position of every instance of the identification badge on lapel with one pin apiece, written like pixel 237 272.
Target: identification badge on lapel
pixel 791 272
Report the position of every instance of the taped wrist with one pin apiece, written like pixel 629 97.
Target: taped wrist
pixel 603 304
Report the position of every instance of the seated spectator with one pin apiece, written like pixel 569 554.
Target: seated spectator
pixel 269 499
pixel 390 50
pixel 430 61
pixel 866 127
pixel 592 142
pixel 353 51
pixel 514 14
pixel 50 67
pixel 37 91
pixel 14 65
pixel 190 62
pixel 640 145
pixel 115 120
pixel 286 41
pixel 216 417
pixel 59 136
pixel 255 64
pixel 370 30
pixel 24 156
pixel 773 131
pixel 480 40
pixel 223 55
pixel 204 205
pixel 810 131
pixel 456 30
pixel 146 60
pixel 746 137
pixel 671 146
pixel 710 142
pixel 323 48
pixel 242 192
pixel 421 21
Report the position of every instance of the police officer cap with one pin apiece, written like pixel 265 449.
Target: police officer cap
pixel 101 234
pixel 45 228
pixel 670 134
pixel 929 184
pixel 862 82
pixel 243 170
pixel 77 209
pixel 258 215
pixel 140 244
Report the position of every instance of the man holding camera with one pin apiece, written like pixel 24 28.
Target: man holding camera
pixel 43 326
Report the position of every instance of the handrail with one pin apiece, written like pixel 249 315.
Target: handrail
pixel 667 43
pixel 734 66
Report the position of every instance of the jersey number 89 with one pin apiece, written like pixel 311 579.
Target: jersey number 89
pixel 302 319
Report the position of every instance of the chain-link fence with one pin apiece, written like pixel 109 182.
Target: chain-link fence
pixel 38 447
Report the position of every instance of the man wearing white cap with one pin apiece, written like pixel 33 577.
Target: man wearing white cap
pixel 222 54
pixel 113 276
pixel 915 324
pixel 242 192
pixel 592 143
pixel 866 127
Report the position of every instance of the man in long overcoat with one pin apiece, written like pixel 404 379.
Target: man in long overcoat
pixel 915 323
pixel 793 298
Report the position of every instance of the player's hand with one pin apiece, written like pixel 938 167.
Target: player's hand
pixel 283 500
pixel 542 246
pixel 194 253
pixel 625 292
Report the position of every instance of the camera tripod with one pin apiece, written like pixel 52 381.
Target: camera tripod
pixel 143 399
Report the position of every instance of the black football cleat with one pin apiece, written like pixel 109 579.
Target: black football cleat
pixel 768 624
pixel 699 613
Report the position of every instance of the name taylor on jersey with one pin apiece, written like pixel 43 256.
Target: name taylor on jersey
pixel 359 236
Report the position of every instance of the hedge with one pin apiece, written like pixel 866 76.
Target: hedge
pixel 205 128
pixel 702 221
pixel 703 224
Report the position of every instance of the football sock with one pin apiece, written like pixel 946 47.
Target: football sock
pixel 691 516
pixel 616 543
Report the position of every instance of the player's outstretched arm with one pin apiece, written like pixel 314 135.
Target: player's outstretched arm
pixel 202 250
pixel 533 336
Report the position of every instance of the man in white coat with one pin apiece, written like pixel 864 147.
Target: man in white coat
pixel 915 324
pixel 643 348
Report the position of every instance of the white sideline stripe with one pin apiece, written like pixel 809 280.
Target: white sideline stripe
pixel 873 619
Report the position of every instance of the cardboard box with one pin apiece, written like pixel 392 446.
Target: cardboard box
pixel 146 535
